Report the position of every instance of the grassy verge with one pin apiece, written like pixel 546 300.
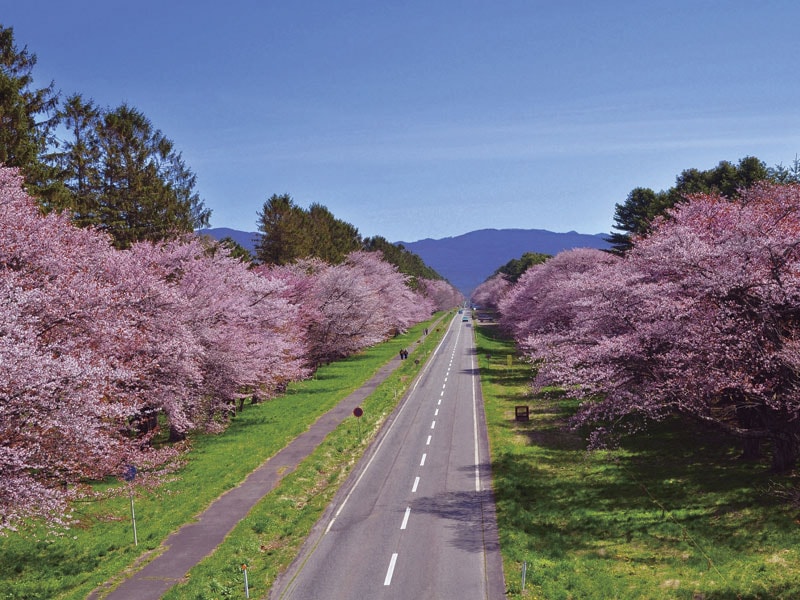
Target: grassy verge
pixel 34 565
pixel 671 514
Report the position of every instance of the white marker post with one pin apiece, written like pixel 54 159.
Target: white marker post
pixel 246 586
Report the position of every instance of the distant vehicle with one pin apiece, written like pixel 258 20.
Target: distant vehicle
pixel 465 320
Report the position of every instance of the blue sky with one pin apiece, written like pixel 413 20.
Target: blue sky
pixel 433 118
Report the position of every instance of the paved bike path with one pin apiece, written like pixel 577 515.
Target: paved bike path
pixel 194 541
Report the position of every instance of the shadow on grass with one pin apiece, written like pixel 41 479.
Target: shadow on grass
pixel 675 498
pixel 515 378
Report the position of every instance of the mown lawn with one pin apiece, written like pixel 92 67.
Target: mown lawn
pixel 99 547
pixel 671 514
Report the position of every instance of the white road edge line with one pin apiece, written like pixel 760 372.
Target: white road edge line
pixel 390 572
pixel 475 428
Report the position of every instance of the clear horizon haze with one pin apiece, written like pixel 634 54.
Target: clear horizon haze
pixel 416 120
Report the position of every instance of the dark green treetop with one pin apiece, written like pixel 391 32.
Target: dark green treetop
pixel 26 114
pixel 285 236
pixel 123 175
pixel 514 268
pixel 290 232
pixel 635 216
pixel 407 262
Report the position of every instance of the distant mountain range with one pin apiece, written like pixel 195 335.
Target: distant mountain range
pixel 246 239
pixel 467 260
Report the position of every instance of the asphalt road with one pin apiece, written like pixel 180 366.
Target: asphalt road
pixel 416 518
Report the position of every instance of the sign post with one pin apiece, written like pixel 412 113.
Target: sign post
pixel 129 475
pixel 357 412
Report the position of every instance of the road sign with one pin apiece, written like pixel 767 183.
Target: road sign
pixel 357 411
pixel 129 474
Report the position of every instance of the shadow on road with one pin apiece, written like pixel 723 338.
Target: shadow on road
pixel 465 513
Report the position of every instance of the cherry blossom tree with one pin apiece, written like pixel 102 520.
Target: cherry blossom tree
pixel 490 292
pixel 96 342
pixel 542 300
pixel 443 295
pixel 399 305
pixel 241 330
pixel 352 305
pixel 362 301
pixel 67 392
pixel 700 319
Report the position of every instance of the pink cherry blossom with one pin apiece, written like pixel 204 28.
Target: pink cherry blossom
pixel 67 381
pixel 491 292
pixel 700 319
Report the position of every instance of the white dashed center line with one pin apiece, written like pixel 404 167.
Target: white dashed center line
pixel 390 572
pixel 405 518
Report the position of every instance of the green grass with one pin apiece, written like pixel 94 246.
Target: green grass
pixel 99 547
pixel 671 514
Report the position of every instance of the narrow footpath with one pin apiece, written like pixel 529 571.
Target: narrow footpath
pixel 194 541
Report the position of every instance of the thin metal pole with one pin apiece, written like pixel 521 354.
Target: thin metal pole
pixel 524 573
pixel 133 519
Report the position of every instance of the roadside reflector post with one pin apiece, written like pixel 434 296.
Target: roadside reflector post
pixel 246 586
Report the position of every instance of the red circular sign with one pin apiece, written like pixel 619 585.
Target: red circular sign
pixel 357 411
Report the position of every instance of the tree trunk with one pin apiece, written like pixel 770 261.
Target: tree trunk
pixel 751 449
pixel 784 452
pixel 146 421
pixel 748 418
pixel 175 435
